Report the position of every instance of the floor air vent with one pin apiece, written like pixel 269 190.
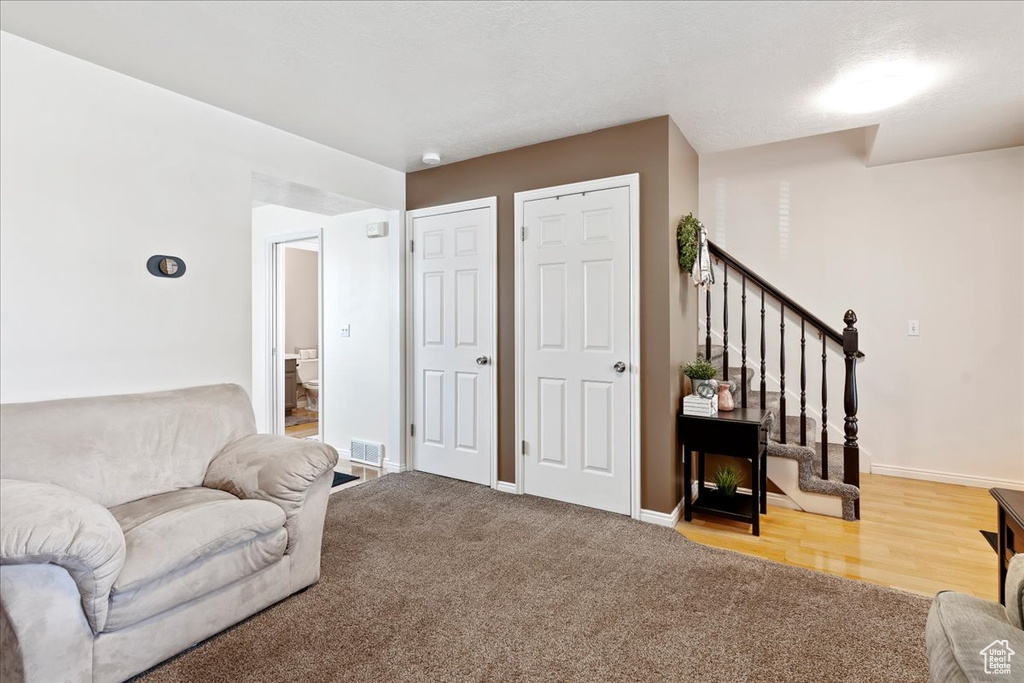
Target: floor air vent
pixel 367 453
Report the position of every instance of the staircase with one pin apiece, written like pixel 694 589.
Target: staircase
pixel 818 475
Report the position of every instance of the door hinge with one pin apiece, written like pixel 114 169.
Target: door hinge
pixel 522 233
pixel 412 246
pixel 412 430
pixel 524 447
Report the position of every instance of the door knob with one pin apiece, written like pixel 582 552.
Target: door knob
pixel 483 360
pixel 619 367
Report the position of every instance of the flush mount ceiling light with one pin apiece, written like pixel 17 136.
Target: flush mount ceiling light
pixel 431 158
pixel 878 86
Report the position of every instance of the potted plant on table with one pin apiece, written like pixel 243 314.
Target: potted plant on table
pixel 702 373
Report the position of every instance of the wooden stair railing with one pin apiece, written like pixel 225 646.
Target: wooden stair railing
pixel 847 340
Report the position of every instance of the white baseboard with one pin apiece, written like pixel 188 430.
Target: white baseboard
pixel 344 454
pixel 781 500
pixel 394 467
pixel 669 519
pixel 505 487
pixel 945 477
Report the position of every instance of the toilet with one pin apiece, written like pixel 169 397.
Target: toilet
pixel 308 371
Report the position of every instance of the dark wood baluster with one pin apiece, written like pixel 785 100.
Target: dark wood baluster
pixel 824 407
pixel 851 450
pixel 782 373
pixel 707 328
pixel 743 344
pixel 803 385
pixel 763 352
pixel 725 321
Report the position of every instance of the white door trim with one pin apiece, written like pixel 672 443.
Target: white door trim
pixel 632 181
pixel 275 329
pixel 470 205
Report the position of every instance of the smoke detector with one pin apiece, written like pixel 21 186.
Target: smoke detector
pixel 431 158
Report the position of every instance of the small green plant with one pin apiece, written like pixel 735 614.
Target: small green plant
pixel 727 479
pixel 700 368
pixel 686 237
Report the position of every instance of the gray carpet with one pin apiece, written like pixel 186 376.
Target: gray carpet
pixel 430 579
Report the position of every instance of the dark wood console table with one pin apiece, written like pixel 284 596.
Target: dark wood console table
pixel 742 433
pixel 1011 531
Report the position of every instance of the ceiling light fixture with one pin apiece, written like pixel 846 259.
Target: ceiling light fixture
pixel 878 86
pixel 431 158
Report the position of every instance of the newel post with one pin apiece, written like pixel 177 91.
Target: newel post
pixel 851 451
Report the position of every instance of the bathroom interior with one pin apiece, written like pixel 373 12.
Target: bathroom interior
pixel 301 338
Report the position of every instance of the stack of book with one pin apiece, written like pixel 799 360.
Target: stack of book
pixel 696 405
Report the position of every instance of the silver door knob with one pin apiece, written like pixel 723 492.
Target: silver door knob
pixel 619 367
pixel 483 360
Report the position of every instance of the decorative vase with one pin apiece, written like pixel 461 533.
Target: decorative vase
pixel 725 401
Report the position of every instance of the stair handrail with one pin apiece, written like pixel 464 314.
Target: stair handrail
pixel 848 340
pixel 779 296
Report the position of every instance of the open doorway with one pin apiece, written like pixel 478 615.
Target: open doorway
pixel 297 336
pixel 327 332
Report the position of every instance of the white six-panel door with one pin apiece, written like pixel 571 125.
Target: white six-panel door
pixel 452 377
pixel 576 374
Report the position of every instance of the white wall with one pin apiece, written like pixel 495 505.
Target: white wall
pixel 302 289
pixel 100 171
pixel 359 289
pixel 940 241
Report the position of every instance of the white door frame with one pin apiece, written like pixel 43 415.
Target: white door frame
pixel 275 328
pixel 410 384
pixel 631 181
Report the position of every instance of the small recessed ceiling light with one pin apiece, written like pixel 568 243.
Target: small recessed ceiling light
pixel 431 158
pixel 878 86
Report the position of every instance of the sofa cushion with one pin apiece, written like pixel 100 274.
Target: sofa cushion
pixel 168 531
pixel 195 580
pixel 114 449
pixel 959 627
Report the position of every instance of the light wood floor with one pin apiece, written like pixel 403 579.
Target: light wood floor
pixel 303 430
pixel 915 535
pixel 364 472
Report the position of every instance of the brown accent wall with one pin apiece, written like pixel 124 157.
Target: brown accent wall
pixel 642 147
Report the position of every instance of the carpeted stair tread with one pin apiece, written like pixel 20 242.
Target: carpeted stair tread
pixel 808 457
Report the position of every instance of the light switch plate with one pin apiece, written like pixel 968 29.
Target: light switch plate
pixel 346 330
pixel 913 328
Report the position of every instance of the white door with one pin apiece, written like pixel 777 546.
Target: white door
pixel 576 340
pixel 453 342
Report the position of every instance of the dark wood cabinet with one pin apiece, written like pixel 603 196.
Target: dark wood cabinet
pixel 1011 531
pixel 290 384
pixel 742 433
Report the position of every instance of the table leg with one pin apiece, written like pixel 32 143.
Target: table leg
pixel 764 482
pixel 687 486
pixel 700 473
pixel 1001 545
pixel 755 490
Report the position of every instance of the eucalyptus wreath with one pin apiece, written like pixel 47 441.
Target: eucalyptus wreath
pixel 686 237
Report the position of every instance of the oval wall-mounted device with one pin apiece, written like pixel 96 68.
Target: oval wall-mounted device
pixel 165 266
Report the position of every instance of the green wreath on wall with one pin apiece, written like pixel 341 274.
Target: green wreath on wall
pixel 686 237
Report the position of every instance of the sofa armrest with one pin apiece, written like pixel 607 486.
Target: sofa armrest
pixel 275 468
pixel 48 524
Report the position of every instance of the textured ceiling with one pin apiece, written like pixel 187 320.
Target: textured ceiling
pixel 388 81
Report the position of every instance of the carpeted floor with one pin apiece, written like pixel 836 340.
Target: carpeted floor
pixel 430 579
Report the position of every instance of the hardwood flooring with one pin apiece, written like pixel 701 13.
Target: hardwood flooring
pixel 364 472
pixel 303 430
pixel 919 536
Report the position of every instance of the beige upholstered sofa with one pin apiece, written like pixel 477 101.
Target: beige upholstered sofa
pixel 132 527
